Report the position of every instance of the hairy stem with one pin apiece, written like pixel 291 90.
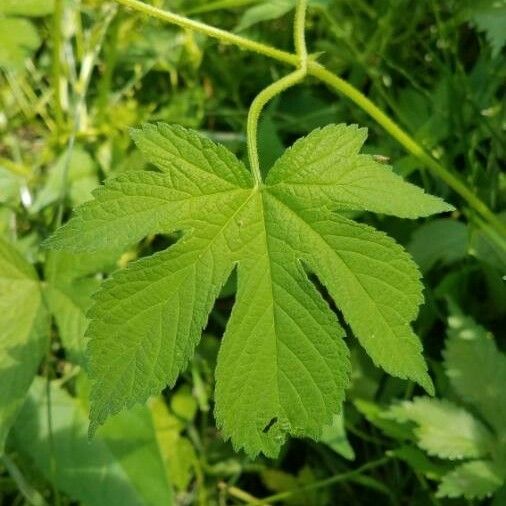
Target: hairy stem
pixel 337 84
pixel 299 34
pixel 211 31
pixel 255 110
pixel 276 88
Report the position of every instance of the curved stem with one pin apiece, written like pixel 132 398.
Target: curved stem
pixel 337 84
pixel 254 114
pixel 276 88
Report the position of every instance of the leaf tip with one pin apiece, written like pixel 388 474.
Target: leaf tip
pixel 427 384
pixel 92 429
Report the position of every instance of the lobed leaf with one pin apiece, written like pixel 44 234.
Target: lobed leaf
pixel 326 169
pixel 283 366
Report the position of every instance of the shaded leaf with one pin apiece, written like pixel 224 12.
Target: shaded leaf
pixel 24 329
pixel 334 436
pixel 442 240
pixel 122 466
pixel 476 368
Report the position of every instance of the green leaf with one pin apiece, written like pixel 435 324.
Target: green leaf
pixel 264 11
pixel 68 305
pixel 24 329
pixel 473 480
pixel 490 16
pixel 443 429
pixel 488 246
pixel 476 368
pixel 176 450
pixel 269 10
pixel 78 174
pixel 27 7
pixel 283 366
pixel 334 436
pixel 10 185
pixel 68 291
pixel 375 415
pixel 123 463
pixel 18 39
pixel 183 404
pixel 326 169
pixel 280 481
pixel 443 240
pixel 419 462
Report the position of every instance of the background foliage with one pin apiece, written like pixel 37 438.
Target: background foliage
pixel 67 100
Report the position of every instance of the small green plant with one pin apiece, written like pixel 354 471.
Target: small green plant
pixel 468 428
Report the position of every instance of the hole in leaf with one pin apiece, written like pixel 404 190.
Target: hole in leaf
pixel 269 426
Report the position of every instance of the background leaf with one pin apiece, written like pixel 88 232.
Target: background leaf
pixel 476 368
pixel 472 480
pixel 444 429
pixel 27 7
pixel 18 39
pixel 23 333
pixel 123 464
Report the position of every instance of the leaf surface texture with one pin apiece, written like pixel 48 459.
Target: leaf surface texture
pixel 283 366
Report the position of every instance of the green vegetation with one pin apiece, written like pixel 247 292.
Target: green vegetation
pixel 203 204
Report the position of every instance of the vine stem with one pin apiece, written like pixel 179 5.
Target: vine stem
pixel 254 114
pixel 337 84
pixel 276 88
pixel 211 31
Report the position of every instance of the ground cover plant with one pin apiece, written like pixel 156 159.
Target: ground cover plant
pixel 252 252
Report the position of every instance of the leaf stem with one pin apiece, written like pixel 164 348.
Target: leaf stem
pixel 282 496
pixel 32 496
pixel 336 84
pixel 276 88
pixel 254 114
